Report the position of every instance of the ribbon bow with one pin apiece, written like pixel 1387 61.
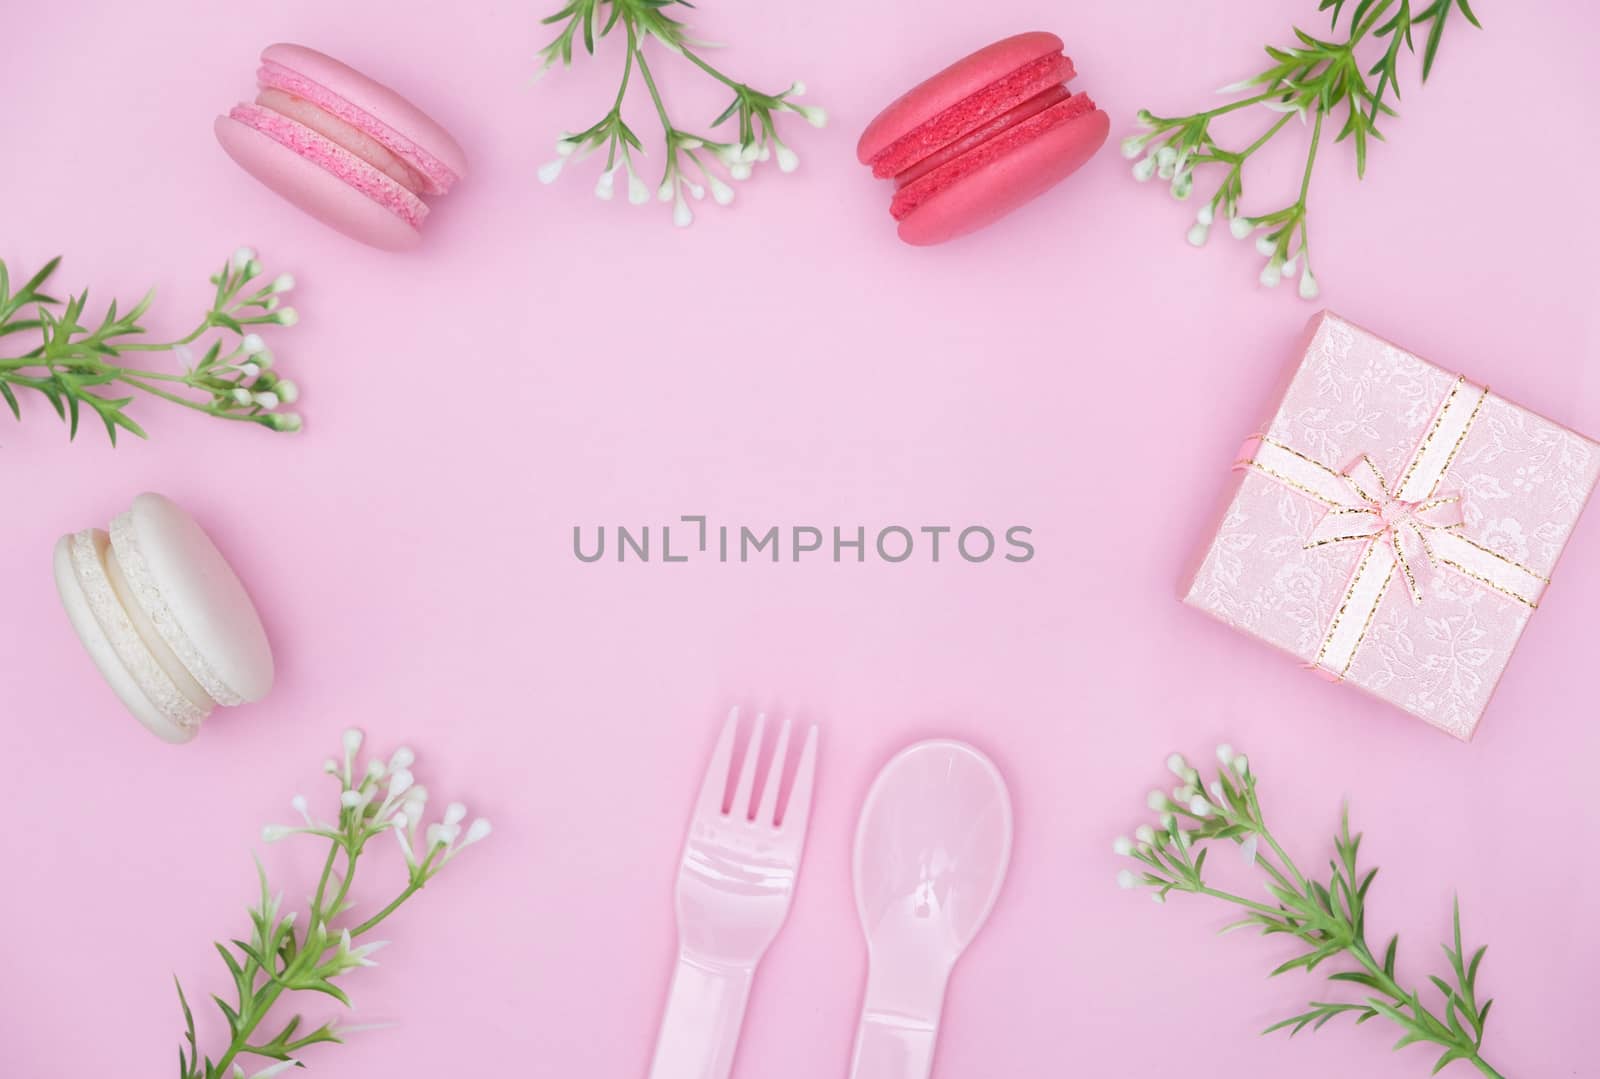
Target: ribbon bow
pixel 1375 513
pixel 1410 527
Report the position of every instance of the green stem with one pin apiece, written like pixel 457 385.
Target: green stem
pixel 649 81
pixel 733 84
pixel 1245 154
pixel 1233 106
pixel 1311 161
pixel 156 391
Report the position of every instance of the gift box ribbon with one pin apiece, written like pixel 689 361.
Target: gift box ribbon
pixel 1411 530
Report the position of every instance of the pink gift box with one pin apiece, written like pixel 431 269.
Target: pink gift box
pixel 1395 525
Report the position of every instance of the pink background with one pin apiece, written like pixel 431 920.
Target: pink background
pixel 548 361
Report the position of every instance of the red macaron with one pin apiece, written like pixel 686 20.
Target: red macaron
pixel 985 135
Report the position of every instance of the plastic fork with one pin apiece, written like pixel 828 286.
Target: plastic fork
pixel 735 883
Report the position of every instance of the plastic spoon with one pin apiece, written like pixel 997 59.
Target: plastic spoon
pixel 931 854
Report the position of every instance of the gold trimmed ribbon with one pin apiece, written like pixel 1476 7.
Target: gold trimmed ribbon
pixel 1411 530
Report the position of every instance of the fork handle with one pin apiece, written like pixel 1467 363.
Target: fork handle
pixel 700 1029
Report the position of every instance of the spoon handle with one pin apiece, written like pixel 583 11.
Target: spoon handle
pixel 700 1030
pixel 889 1047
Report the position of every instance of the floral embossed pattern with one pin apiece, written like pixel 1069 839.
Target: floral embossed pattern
pixel 1523 482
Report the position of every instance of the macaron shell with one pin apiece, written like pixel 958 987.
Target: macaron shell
pixel 315 190
pixel 1006 183
pixel 193 596
pixel 955 83
pixel 383 104
pixel 122 682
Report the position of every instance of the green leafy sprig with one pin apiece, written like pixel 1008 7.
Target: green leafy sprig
pixel 1320 81
pixel 75 367
pixel 689 154
pixel 1328 919
pixel 286 955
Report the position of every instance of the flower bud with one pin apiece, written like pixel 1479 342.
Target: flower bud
pixel 1121 845
pixel 1126 880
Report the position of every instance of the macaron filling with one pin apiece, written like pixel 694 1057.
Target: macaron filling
pixel 147 598
pixel 95 568
pixel 360 173
pixel 1040 77
pixel 436 177
pixel 987 145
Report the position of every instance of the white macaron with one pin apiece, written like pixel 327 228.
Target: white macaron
pixel 163 616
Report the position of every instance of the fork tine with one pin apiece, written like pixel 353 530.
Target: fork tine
pixel 716 781
pixel 798 811
pixel 740 808
pixel 768 813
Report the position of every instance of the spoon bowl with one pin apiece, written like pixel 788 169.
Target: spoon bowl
pixel 931 853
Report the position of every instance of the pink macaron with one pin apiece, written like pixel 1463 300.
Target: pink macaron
pixel 349 151
pixel 981 138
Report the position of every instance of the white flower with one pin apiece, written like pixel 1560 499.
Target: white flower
pixel 1176 764
pixel 252 343
pixel 274 832
pixel 1241 227
pixel 285 316
pixel 1247 849
pixel 1145 834
pixel 1183 184
pixel 1225 754
pixel 1266 246
pixel 788 160
pixel 1199 806
pixel 550 170
pixel 796 89
pixel 1126 879
pixel 1308 286
pixel 682 216
pixel 288 392
pixel 604 187
pixel 1121 845
pixel 1134 145
pixel 249 371
pixel 638 190
pixel 1216 790
pixel 242 257
pixel 1198 234
pixel 721 192
pixel 266 399
pixel 1182 794
pixel 1241 764
pixel 476 831
pixel 282 283
pixel 814 116
pixel 1207 214
pixel 1158 898
pixel 242 396
pixel 1157 801
pixel 1144 169
pixel 1271 274
pixel 262 359
pixel 1168 822
pixel 1290 267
